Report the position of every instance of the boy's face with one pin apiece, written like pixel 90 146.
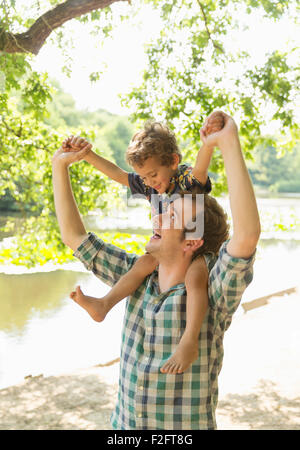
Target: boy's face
pixel 155 175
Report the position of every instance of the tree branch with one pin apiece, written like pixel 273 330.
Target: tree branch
pixel 16 133
pixel 32 40
pixel 207 29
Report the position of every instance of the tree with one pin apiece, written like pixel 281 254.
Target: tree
pixel 191 71
pixel 62 110
pixel 35 36
pixel 27 146
pixel 118 133
pixel 27 142
pixel 191 67
pixel 275 172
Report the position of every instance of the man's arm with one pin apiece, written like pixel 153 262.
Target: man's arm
pixel 246 224
pixel 71 226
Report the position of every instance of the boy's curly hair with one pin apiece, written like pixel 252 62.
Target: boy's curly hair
pixel 155 139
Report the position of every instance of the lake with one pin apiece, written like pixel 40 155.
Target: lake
pixel 42 331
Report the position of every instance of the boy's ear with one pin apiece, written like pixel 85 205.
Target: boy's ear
pixel 192 245
pixel 175 161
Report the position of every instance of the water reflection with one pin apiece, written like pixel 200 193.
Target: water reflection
pixel 23 296
pixel 43 331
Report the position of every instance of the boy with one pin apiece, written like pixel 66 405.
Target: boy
pixel 154 155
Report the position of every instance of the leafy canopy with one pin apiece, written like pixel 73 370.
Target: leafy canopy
pixel 198 65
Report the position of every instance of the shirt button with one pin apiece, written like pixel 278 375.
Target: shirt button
pixel 148 329
pixel 140 415
pixel 141 388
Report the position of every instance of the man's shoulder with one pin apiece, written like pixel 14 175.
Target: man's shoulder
pixel 229 273
pixel 233 262
pixel 228 279
pixel 222 265
pixel 95 251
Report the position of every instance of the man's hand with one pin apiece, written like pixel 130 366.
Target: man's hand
pixel 76 144
pixel 214 122
pixel 212 137
pixel 66 155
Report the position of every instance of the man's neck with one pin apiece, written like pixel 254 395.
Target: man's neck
pixel 172 272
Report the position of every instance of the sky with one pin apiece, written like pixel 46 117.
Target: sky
pixel 124 57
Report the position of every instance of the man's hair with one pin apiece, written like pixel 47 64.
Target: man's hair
pixel 154 139
pixel 215 224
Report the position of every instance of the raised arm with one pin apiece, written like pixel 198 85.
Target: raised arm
pixel 213 123
pixel 200 170
pixel 75 143
pixel 71 226
pixel 245 217
pixel 108 168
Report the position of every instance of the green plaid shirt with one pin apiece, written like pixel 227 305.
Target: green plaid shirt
pixel 153 325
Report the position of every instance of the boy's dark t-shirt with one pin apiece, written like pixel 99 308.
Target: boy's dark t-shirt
pixel 182 180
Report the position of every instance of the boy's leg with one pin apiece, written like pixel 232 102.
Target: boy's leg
pixel 196 306
pixel 99 307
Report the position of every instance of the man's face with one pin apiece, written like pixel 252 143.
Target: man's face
pixel 169 228
pixel 155 175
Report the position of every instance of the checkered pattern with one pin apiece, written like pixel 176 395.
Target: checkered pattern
pixel 152 328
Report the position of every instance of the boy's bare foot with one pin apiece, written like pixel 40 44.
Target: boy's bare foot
pixel 185 354
pixel 96 307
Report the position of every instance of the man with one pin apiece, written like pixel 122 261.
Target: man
pixel 155 314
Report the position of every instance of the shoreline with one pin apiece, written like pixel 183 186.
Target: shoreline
pixel 13 269
pixel 76 266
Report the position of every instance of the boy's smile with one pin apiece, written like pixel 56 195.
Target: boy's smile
pixel 155 175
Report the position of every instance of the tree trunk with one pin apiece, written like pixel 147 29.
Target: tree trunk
pixel 32 40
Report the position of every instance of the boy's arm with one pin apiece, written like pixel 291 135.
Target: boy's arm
pixel 108 168
pixel 245 217
pixel 214 123
pixel 200 171
pixel 75 143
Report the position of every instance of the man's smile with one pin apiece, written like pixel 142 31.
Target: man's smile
pixel 156 235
